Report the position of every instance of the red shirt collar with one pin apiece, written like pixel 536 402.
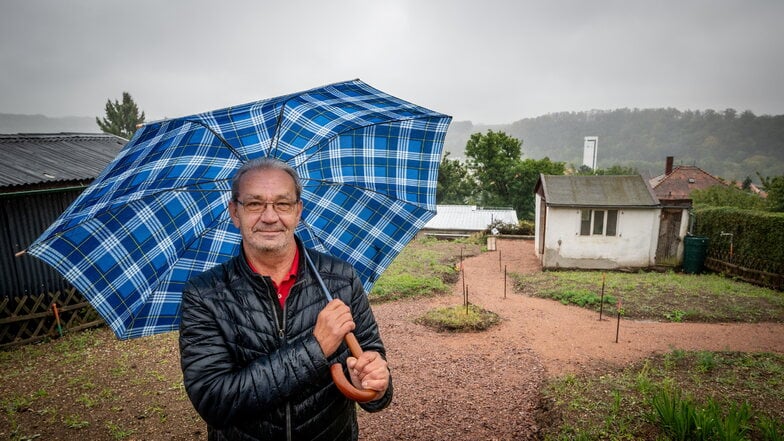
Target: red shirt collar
pixel 285 285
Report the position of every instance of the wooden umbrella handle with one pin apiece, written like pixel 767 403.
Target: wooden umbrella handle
pixel 343 383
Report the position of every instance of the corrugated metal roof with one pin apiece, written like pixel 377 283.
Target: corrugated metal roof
pixel 597 191
pixel 42 158
pixel 468 217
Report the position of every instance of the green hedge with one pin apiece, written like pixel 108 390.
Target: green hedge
pixel 755 234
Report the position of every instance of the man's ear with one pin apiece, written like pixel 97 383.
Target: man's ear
pixel 233 206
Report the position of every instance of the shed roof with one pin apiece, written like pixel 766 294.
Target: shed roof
pixel 469 217
pixel 29 159
pixel 596 191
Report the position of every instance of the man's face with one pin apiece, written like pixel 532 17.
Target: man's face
pixel 268 230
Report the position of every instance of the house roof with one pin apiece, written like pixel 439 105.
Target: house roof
pixel 34 159
pixel 469 217
pixel 596 191
pixel 681 181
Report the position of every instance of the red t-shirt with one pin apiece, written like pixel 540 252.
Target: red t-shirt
pixel 285 286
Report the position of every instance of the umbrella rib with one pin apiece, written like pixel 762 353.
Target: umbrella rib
pixel 223 141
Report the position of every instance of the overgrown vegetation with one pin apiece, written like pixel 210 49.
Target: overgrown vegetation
pixel 681 395
pixel 459 318
pixel 423 268
pixel 659 296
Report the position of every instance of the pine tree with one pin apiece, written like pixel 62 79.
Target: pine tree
pixel 121 118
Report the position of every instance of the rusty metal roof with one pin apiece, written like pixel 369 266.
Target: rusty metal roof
pixel 34 159
pixel 596 191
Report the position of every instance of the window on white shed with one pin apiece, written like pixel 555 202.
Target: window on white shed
pixel 598 222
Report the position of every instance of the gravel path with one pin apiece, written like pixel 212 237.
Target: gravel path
pixel 486 386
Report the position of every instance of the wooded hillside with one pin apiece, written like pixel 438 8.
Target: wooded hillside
pixel 728 144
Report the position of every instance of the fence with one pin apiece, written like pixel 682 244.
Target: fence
pixel 28 319
pixel 757 271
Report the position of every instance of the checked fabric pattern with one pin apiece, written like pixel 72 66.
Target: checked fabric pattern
pixel 158 213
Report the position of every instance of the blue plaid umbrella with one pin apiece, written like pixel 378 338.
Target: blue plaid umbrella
pixel 157 214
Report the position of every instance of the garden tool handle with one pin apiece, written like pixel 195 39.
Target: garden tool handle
pixel 344 384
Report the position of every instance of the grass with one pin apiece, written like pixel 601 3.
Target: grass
pixel 659 296
pixel 459 318
pixel 424 268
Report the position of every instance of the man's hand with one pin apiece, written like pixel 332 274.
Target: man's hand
pixel 369 371
pixel 332 324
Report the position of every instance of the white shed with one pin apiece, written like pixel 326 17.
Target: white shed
pixel 596 222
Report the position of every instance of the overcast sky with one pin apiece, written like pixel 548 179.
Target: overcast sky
pixel 488 61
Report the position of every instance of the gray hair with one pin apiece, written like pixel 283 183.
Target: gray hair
pixel 264 163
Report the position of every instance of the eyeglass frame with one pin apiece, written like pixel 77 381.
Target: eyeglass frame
pixel 265 204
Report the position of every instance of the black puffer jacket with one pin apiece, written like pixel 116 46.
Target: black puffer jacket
pixel 254 370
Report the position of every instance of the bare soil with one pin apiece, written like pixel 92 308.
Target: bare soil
pixel 468 386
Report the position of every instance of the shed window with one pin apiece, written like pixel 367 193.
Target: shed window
pixel 598 222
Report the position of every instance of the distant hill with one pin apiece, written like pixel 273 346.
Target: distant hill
pixel 14 123
pixel 726 144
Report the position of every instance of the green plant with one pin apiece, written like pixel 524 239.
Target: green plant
pixel 706 361
pixel 459 319
pixel 118 432
pixel 675 316
pixel 74 421
pixel 770 429
pixel 674 414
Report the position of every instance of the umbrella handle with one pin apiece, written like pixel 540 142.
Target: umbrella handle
pixel 343 384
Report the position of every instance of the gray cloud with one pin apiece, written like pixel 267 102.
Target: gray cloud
pixel 492 61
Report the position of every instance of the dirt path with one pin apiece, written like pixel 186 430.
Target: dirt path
pixel 486 386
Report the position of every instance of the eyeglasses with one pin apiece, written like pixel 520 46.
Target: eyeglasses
pixel 282 207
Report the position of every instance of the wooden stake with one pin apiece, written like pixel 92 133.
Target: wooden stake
pixel 601 302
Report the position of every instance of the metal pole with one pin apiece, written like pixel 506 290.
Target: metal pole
pixel 601 302
pixel 504 281
pixel 499 260
pixel 618 325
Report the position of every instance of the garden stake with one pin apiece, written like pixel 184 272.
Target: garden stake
pixel 57 319
pixel 499 260
pixel 601 302
pixel 504 281
pixel 618 326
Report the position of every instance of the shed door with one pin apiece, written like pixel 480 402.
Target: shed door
pixel 669 229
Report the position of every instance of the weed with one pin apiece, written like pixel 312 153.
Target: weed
pixel 706 361
pixel 117 431
pixel 74 421
pixel 87 400
pixel 675 316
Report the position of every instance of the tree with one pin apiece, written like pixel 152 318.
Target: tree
pixel 775 188
pixel 121 118
pixel 727 196
pixel 493 157
pixel 455 184
pixel 503 178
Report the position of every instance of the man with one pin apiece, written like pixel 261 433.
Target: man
pixel 258 336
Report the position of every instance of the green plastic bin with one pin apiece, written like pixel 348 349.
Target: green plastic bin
pixel 694 251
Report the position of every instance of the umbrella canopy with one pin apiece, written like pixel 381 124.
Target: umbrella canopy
pixel 158 213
